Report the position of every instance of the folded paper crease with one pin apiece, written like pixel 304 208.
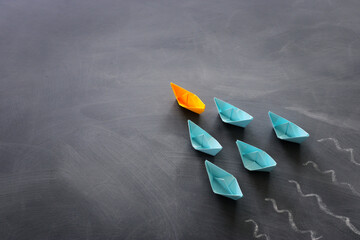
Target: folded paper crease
pixel 222 182
pixel 203 141
pixel 188 99
pixel 231 114
pixel 286 130
pixel 255 159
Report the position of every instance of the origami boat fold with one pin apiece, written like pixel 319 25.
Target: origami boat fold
pixel 202 141
pixel 286 130
pixel 187 99
pixel 222 182
pixel 255 159
pixel 231 114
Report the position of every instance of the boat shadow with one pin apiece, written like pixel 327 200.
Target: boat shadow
pixel 262 181
pixel 229 207
pixel 292 151
pixel 203 156
pixel 185 113
pixel 235 132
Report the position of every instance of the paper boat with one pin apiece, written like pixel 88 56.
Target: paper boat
pixel 222 182
pixel 187 99
pixel 202 141
pixel 255 159
pixel 231 114
pixel 286 130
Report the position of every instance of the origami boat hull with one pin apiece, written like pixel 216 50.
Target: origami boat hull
pixel 286 130
pixel 255 159
pixel 231 114
pixel 222 182
pixel 203 141
pixel 188 99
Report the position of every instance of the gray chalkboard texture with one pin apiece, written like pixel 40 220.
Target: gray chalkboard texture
pixel 94 146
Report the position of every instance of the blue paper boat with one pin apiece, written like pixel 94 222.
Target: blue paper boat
pixel 202 141
pixel 286 130
pixel 231 114
pixel 255 159
pixel 222 182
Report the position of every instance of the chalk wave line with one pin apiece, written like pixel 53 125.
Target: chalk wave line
pixel 338 147
pixel 325 209
pixel 333 177
pixel 291 220
pixel 256 230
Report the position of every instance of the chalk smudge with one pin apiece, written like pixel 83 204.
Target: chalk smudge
pixel 350 124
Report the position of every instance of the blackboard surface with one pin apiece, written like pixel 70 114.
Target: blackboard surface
pixel 94 146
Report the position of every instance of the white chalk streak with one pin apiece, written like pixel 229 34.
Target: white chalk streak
pixel 291 220
pixel 256 235
pixel 333 177
pixel 338 147
pixel 325 209
pixel 346 123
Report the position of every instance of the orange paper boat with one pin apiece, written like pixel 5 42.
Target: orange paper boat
pixel 187 99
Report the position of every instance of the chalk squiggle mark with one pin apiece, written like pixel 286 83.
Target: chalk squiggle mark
pixel 333 177
pixel 291 220
pixel 338 147
pixel 256 235
pixel 325 209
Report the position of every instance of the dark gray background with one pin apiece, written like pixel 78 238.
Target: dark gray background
pixel 94 146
